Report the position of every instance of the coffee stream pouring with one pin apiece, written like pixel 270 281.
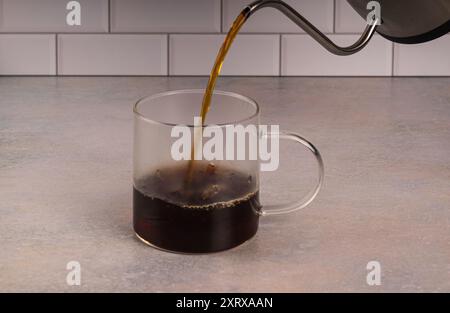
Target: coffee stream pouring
pixel 402 21
pixel 216 207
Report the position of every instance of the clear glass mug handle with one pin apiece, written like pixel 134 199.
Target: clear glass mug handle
pixel 300 204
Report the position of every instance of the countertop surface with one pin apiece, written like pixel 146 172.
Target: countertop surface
pixel 66 188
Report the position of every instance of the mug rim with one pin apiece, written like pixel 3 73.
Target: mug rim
pixel 140 115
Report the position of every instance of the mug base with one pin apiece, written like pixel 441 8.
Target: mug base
pixel 193 253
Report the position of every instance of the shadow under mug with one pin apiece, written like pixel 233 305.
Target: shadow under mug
pixel 200 206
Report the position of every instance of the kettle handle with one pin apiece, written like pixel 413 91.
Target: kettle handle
pixel 310 29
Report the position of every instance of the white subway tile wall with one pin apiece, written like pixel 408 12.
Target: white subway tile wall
pixel 31 16
pixel 23 54
pixel 302 56
pixel 179 16
pixel 120 54
pixel 319 12
pixel 250 55
pixel 182 37
pixel 428 59
pixel 347 20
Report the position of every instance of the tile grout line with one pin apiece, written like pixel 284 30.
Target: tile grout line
pixel 279 56
pixel 109 16
pixel 334 16
pixel 392 61
pixel 165 33
pixel 172 33
pixel 168 54
pixel 56 56
pixel 221 16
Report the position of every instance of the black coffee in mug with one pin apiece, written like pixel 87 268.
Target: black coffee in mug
pixel 196 206
pixel 217 209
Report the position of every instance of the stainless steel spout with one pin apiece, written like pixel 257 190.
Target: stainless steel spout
pixel 310 29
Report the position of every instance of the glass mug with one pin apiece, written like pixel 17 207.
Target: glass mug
pixel 200 206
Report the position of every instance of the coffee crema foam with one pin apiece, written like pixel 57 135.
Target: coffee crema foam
pixel 212 206
pixel 211 186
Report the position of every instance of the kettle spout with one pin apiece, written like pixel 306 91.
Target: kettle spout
pixel 310 29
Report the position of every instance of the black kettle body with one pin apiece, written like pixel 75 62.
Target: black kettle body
pixel 402 21
pixel 409 21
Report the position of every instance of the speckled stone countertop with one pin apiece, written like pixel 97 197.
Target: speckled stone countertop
pixel 66 182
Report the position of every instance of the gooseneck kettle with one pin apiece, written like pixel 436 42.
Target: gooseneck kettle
pixel 402 21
